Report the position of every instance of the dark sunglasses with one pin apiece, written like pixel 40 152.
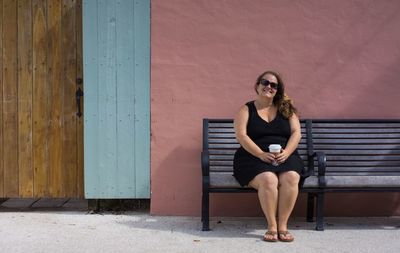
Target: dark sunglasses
pixel 271 84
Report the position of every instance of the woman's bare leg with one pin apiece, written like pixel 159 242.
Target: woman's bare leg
pixel 266 185
pixel 288 192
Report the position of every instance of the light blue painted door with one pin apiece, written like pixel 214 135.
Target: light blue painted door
pixel 116 53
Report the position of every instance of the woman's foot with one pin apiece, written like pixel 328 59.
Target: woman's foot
pixel 285 236
pixel 271 236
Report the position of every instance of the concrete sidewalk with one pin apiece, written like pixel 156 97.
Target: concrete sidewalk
pixel 79 231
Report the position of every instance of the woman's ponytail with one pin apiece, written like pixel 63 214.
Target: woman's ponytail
pixel 286 106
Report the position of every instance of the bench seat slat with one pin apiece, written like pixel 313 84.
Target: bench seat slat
pixel 221 169
pixel 352 146
pixel 223 180
pixel 221 157
pixel 355 147
pixel 230 145
pixel 232 151
pixel 329 152
pixel 369 170
pixel 381 163
pixel 221 151
pixel 226 180
pixel 330 170
pixel 332 124
pixel 355 130
pixel 234 141
pixel 221 125
pixel 229 124
pixel 230 157
pixel 353 141
pixel 223 136
pixel 227 140
pixel 221 130
pixel 356 135
pixel 355 181
pixel 221 163
pixel 365 158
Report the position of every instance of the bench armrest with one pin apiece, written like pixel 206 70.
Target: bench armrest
pixel 205 163
pixel 321 159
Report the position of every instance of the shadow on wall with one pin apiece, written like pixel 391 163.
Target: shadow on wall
pixel 373 98
pixel 184 167
pixel 370 204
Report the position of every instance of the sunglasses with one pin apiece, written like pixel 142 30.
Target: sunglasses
pixel 271 84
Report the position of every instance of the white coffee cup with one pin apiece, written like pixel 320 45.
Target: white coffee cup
pixel 275 149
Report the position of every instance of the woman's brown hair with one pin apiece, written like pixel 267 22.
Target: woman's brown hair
pixel 281 100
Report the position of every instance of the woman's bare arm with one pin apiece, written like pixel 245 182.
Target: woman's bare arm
pixel 293 141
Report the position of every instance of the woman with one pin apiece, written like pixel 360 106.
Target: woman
pixel 270 119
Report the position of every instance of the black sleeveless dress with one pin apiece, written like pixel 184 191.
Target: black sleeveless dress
pixel 246 166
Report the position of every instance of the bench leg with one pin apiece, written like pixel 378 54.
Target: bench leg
pixel 310 207
pixel 320 212
pixel 205 212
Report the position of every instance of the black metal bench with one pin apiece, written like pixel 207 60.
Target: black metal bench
pixel 340 156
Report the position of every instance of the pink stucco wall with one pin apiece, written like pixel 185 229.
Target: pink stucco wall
pixel 340 59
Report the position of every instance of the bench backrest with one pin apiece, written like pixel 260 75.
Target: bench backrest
pixel 352 147
pixel 220 141
pixel 358 147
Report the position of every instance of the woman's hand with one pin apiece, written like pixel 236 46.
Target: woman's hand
pixel 282 156
pixel 267 157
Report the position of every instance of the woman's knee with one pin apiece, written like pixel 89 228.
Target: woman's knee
pixel 266 180
pixel 290 178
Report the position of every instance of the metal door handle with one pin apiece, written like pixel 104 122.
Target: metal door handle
pixel 78 95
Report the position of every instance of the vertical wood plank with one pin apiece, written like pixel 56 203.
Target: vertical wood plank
pixel 79 74
pixel 40 98
pixel 142 97
pixel 91 126
pixel 33 102
pixel 25 98
pixel 68 47
pixel 55 135
pixel 107 98
pixel 125 99
pixel 10 99
pixel 1 103
pixel 117 100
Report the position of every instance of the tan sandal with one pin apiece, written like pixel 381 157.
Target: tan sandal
pixel 270 236
pixel 285 234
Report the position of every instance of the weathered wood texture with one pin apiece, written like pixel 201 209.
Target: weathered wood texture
pixel 10 99
pixel 25 98
pixel 117 98
pixel 40 139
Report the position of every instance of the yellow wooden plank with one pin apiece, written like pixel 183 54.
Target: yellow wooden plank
pixel 68 42
pixel 25 98
pixel 40 98
pixel 10 99
pixel 1 103
pixel 55 98
pixel 79 73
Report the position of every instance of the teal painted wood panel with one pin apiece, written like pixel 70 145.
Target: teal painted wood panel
pixel 142 95
pixel 116 49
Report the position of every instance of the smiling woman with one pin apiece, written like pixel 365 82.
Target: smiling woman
pixel 270 120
